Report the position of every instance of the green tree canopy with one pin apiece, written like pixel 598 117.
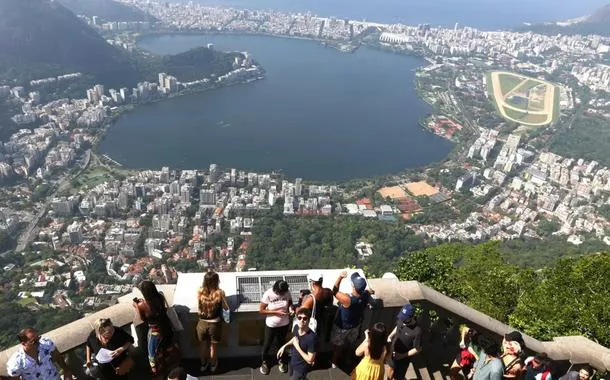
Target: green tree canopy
pixel 571 299
pixel 474 274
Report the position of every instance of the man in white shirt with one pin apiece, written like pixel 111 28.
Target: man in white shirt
pixel 34 358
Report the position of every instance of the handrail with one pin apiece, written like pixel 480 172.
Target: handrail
pixel 393 293
pixel 576 349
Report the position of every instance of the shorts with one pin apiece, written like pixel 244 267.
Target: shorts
pixel 344 337
pixel 209 331
pixel 400 367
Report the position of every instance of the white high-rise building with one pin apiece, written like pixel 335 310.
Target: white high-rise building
pixel 99 89
pixel 298 187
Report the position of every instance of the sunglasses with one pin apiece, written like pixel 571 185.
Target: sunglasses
pixel 302 318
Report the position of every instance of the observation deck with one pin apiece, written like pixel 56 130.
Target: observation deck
pixel 239 352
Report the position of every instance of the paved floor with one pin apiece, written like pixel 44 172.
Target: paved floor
pixel 248 369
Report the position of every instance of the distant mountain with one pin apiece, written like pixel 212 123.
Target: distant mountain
pixel 602 15
pixel 41 38
pixel 597 23
pixel 108 10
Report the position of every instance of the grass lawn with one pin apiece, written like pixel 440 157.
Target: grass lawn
pixel 508 82
pixel 516 115
pixel 26 301
pixel 96 175
pixel 534 119
pixel 528 85
pixel 518 101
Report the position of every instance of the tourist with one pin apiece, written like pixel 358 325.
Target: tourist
pixel 153 311
pixel 211 300
pixel 346 327
pixel 303 342
pixel 374 349
pixel 489 366
pixel 323 298
pixel 178 373
pixel 275 304
pixel 35 357
pixel 512 351
pixel 105 335
pixel 405 342
pixel 468 354
pixel 538 367
pixel 585 373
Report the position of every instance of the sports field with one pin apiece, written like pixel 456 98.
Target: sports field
pixel 421 188
pixel 528 101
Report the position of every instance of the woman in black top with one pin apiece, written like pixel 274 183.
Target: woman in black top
pixel 153 311
pixel 105 335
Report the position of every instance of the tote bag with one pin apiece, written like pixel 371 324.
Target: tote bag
pixel 313 324
pixel 174 319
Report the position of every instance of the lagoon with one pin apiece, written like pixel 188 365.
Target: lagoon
pixel 318 114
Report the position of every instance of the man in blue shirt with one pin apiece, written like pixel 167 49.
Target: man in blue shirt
pixel 303 352
pixel 36 358
pixel 346 327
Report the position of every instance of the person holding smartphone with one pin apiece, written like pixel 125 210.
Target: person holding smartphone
pixel 276 304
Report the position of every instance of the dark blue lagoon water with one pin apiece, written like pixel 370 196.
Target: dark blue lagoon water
pixel 319 114
pixel 483 14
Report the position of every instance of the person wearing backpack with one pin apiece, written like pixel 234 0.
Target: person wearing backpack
pixel 538 367
pixel 346 327
pixel 512 351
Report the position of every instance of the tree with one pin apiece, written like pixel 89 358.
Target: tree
pixel 604 211
pixel 327 242
pixel 572 299
pixel 433 267
pixel 474 274
pixel 547 227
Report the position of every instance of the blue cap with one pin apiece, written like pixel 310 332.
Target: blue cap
pixel 358 282
pixel 406 312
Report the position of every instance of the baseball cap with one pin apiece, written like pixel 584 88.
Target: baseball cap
pixel 406 312
pixel 315 277
pixel 514 336
pixel 358 282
